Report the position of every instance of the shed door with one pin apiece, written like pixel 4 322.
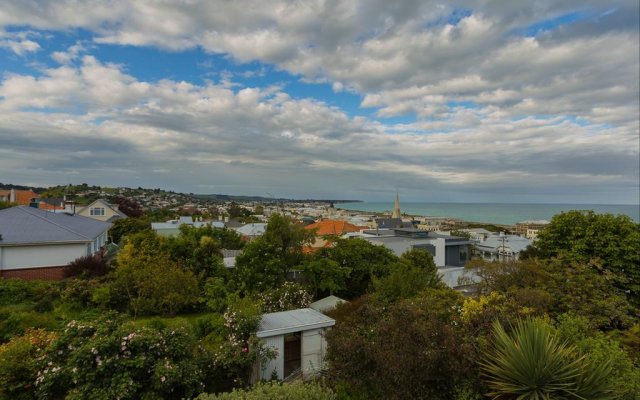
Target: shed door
pixel 312 351
pixel 277 364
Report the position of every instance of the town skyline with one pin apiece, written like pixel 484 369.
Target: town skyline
pixel 457 102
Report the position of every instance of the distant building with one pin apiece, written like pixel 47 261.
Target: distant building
pixel 450 253
pixel 101 210
pixel 37 244
pixel 530 229
pixel 396 208
pixel 20 197
pixel 501 247
pixel 251 231
pixel 478 234
pixel 331 227
pixel 172 227
pixel 297 336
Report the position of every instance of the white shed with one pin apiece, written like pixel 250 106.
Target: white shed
pixel 298 338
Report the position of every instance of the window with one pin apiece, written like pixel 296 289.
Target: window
pixel 97 211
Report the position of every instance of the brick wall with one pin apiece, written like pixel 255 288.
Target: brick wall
pixel 47 274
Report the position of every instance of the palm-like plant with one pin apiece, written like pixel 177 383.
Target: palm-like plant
pixel 531 363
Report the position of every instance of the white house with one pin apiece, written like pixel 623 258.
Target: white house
pixel 297 336
pixel 501 247
pixel 172 227
pixel 37 244
pixel 253 230
pixel 101 210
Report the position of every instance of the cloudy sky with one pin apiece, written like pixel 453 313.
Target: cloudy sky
pixel 466 101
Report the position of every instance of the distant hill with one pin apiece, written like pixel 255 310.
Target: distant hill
pixel 262 199
pixel 91 192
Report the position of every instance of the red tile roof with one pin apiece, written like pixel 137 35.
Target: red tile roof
pixel 23 197
pixel 333 227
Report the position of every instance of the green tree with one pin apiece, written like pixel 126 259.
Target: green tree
pixel 412 273
pixel 611 242
pixel 364 261
pixel 325 276
pixel 259 266
pixel 601 349
pixel 150 283
pixel 289 238
pixel 412 349
pixel 533 363
pixel 266 261
pixel 126 226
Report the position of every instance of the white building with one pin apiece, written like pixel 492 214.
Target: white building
pixel 37 244
pixel 172 227
pixel 501 247
pixel 101 210
pixel 297 336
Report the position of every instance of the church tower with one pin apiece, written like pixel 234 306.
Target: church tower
pixel 396 208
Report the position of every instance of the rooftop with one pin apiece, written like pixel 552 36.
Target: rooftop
pixel 333 227
pixel 27 225
pixel 281 323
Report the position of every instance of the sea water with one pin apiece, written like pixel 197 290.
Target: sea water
pixel 507 214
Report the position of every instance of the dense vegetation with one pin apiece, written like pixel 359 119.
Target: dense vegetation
pixel 165 319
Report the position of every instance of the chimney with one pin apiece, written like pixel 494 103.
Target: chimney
pixel 12 196
pixel 69 207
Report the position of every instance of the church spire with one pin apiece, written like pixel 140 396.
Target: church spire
pixel 396 208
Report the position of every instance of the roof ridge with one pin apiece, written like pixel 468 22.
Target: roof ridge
pixel 25 209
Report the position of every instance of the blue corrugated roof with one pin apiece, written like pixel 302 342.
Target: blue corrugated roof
pixel 26 225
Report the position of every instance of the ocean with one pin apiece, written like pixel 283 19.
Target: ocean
pixel 506 214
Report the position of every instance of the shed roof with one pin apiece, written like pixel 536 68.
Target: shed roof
pixel 326 304
pixel 302 319
pixel 27 225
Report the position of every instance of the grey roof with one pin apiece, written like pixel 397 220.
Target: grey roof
pixel 27 225
pixel 326 304
pixel 233 223
pixel 513 242
pixel 281 323
pixel 255 229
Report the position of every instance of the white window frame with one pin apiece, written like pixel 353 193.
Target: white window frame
pixel 97 211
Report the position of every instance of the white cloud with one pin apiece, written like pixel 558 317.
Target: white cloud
pixel 493 108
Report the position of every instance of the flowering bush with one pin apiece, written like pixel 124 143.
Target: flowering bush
pixel 18 365
pixel 276 391
pixel 289 296
pixel 106 359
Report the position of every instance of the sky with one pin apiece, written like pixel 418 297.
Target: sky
pixel 457 101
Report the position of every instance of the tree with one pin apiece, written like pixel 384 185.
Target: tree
pixel 411 349
pixel 325 276
pixel 129 207
pixel 127 226
pixel 611 242
pixel 289 238
pixel 412 273
pixel 362 260
pixel 533 363
pixel 151 283
pixel 259 266
pixel 266 261
pixel 558 286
